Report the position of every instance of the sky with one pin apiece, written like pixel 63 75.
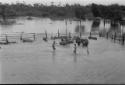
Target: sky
pixel 56 2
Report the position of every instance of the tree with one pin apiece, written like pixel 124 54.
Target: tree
pixel 95 10
pixel 80 12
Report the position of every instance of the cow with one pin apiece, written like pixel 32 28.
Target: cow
pixel 84 42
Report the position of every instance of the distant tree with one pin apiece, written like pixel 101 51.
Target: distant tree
pixel 3 11
pixel 80 12
pixel 95 10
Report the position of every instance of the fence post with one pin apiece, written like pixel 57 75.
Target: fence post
pixel 6 39
pixel 107 35
pixel 90 34
pixel 69 35
pixel 123 39
pixel 21 37
pixel 114 37
pixel 34 36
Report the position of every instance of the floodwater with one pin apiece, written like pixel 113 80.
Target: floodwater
pixel 39 25
pixel 37 63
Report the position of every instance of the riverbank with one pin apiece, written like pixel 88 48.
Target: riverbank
pixel 25 63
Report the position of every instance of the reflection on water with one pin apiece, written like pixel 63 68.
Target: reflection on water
pixel 53 55
pixel 39 25
pixel 80 29
pixel 75 57
pixel 95 25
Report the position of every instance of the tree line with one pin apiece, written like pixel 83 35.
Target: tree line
pixel 113 12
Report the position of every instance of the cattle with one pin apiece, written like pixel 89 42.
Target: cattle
pixel 84 42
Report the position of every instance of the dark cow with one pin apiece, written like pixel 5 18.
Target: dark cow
pixel 84 42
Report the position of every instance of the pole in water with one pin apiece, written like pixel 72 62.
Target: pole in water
pixel 107 35
pixel 80 29
pixel 90 34
pixel 34 36
pixel 69 35
pixel 58 33
pixel 114 37
pixel 66 26
pixel 46 34
pixel 7 39
pixel 123 39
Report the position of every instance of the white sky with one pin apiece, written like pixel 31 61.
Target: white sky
pixel 83 2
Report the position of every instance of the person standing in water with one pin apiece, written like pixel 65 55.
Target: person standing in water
pixel 75 48
pixel 53 45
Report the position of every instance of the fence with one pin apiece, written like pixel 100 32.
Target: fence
pixel 31 37
pixel 19 36
pixel 116 37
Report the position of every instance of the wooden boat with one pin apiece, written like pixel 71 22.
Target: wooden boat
pixel 65 41
pixel 27 40
pixel 93 38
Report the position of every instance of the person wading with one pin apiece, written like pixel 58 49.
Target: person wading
pixel 75 48
pixel 53 45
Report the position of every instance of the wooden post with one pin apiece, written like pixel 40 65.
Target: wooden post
pixel 80 29
pixel 21 36
pixel 34 36
pixel 114 37
pixel 58 33
pixel 46 34
pixel 7 39
pixel 107 35
pixel 66 26
pixel 69 35
pixel 90 34
pixel 123 39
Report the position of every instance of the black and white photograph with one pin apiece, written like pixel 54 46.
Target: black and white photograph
pixel 62 42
